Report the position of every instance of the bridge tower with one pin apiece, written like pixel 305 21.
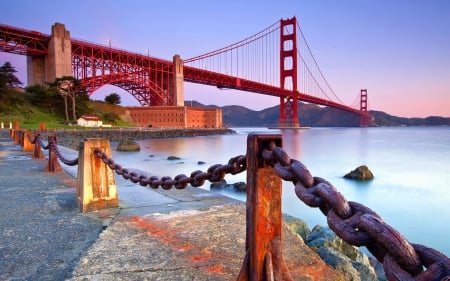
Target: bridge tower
pixel 364 119
pixel 57 62
pixel 288 73
pixel 178 81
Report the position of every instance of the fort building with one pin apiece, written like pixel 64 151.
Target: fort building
pixel 176 117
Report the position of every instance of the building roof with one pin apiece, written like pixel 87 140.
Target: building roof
pixel 91 117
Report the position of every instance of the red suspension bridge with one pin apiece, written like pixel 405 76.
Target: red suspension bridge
pixel 276 61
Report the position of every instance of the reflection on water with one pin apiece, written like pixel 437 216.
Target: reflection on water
pixel 410 165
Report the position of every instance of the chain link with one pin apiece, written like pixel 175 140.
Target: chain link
pixel 359 225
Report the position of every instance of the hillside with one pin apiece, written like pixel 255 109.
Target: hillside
pixel 311 115
pixel 17 106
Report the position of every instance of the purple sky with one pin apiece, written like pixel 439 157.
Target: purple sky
pixel 399 50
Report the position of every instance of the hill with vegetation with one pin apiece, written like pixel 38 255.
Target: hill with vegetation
pixel 30 109
pixel 19 106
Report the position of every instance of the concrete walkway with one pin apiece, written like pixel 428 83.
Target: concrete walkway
pixel 189 234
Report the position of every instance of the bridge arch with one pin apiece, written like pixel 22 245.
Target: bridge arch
pixel 146 93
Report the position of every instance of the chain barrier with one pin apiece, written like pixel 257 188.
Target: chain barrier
pixel 41 143
pixel 54 147
pixel 353 222
pixel 197 178
pixel 359 225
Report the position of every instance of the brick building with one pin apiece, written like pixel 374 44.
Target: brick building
pixel 176 117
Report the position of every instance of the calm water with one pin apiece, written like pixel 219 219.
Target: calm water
pixel 411 189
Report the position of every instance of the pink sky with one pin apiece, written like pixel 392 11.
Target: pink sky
pixel 397 50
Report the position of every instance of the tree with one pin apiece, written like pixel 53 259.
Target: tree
pixel 44 97
pixel 68 86
pixel 113 99
pixel 110 117
pixel 7 77
pixel 83 107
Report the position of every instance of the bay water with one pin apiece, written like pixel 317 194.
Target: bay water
pixel 411 166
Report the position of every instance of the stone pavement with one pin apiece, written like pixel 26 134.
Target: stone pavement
pixel 189 234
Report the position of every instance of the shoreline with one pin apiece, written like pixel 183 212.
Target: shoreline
pixel 72 138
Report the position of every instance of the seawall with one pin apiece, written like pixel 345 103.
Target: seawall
pixel 72 138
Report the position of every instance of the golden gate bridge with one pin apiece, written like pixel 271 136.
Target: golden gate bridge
pixel 276 61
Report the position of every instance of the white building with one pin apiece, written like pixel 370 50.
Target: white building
pixel 90 121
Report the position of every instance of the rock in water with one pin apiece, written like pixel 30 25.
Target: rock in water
pixel 361 173
pixel 171 157
pixel 128 145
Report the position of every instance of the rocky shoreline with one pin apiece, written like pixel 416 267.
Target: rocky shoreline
pixel 348 259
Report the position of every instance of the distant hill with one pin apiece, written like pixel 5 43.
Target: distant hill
pixel 311 115
pixel 384 119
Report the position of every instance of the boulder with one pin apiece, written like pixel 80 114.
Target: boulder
pixel 218 184
pixel 361 173
pixel 240 186
pixel 173 158
pixel 128 145
pixel 296 225
pixel 352 263
pixel 339 262
pixel 324 236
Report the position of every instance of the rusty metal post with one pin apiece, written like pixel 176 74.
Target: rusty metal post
pixel 263 258
pixel 27 145
pixel 53 165
pixel 16 135
pixel 21 137
pixel 96 184
pixel 37 154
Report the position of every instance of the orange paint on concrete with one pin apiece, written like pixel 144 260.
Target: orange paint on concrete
pixel 169 236
pixel 201 258
pixel 216 269
pixel 185 247
pixel 153 229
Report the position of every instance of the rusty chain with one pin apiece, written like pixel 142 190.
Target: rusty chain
pixel 41 143
pixel 359 225
pixel 54 147
pixel 197 178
